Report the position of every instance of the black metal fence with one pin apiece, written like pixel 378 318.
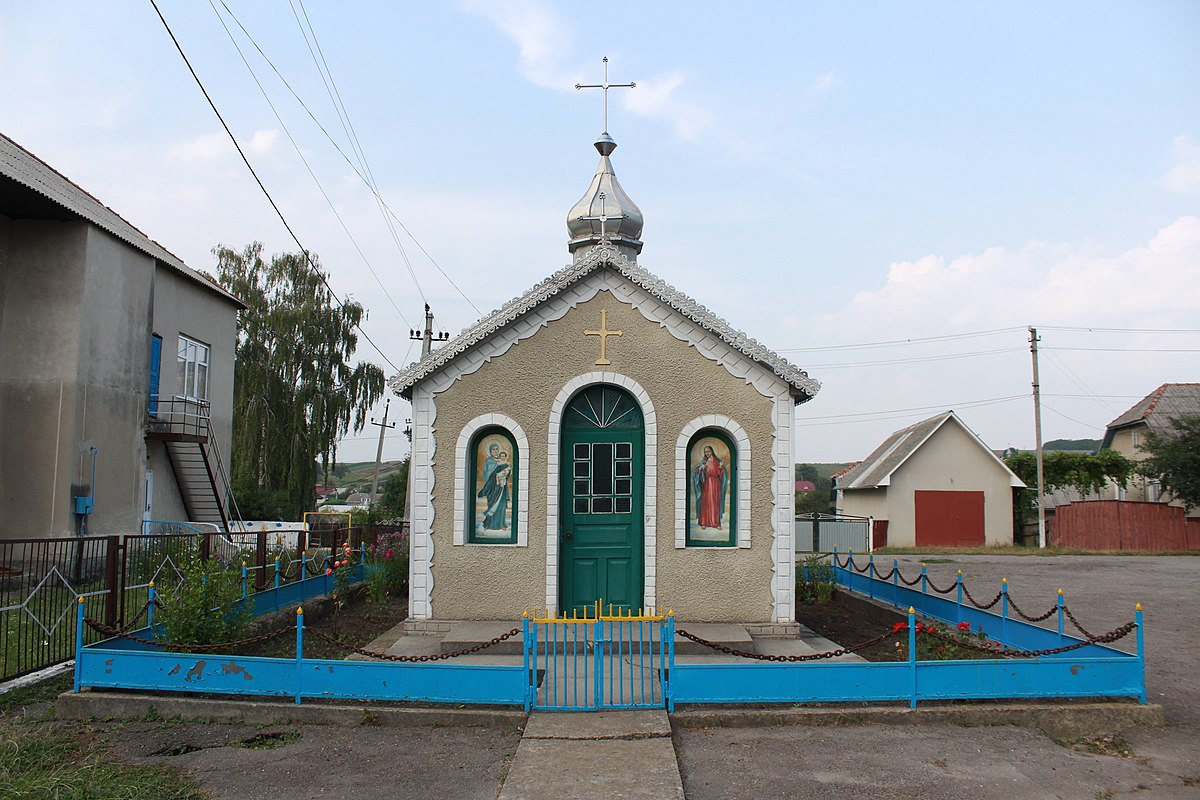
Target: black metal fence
pixel 42 580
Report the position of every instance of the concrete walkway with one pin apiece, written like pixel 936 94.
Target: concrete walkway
pixel 583 756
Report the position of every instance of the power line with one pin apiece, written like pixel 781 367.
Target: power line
pixel 913 360
pixel 1118 330
pixel 355 168
pixel 1129 349
pixel 339 108
pixel 902 342
pixel 897 413
pixel 1072 419
pixel 307 166
pixel 307 259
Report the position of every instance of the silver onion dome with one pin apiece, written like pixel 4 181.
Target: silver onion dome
pixel 605 211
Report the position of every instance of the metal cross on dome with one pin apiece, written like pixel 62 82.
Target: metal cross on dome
pixel 605 86
pixel 603 217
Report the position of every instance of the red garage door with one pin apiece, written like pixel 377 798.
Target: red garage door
pixel 949 519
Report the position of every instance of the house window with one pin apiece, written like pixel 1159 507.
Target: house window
pixel 492 487
pixel 712 490
pixel 193 369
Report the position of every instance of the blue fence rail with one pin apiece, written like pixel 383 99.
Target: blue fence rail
pixel 627 662
pixel 127 663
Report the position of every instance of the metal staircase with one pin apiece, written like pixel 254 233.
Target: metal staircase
pixel 183 427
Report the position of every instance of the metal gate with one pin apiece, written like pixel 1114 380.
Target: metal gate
pixel 601 661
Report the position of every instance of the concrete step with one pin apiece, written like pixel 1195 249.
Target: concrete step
pixel 463 635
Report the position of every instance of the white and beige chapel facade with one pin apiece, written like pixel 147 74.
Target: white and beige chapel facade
pixel 603 437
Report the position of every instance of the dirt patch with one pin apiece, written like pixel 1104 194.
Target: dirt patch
pixel 849 620
pixel 355 625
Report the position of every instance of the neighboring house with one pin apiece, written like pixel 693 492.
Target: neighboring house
pixel 603 438
pixel 116 361
pixel 1126 433
pixel 935 484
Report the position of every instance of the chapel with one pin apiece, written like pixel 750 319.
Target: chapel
pixel 603 438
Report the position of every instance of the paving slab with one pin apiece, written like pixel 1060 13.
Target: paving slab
pixel 617 754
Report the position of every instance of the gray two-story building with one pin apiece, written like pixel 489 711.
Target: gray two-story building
pixel 116 367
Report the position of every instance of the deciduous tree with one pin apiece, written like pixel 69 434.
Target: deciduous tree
pixel 1174 458
pixel 296 390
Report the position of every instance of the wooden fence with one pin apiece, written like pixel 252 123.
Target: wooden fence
pixel 1124 525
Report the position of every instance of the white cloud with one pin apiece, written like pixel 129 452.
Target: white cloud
pixel 545 47
pixel 1062 284
pixel 658 98
pixel 1184 175
pixel 202 148
pixel 263 142
pixel 541 37
pixel 826 83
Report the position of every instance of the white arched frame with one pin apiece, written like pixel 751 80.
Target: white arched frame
pixel 741 440
pixel 462 472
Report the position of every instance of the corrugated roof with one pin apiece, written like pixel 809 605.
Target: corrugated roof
pixel 804 388
pixel 22 166
pixel 1158 408
pixel 876 470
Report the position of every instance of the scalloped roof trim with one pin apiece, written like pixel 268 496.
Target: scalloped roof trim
pixel 805 388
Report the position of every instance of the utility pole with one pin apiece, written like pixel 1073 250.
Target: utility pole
pixel 427 337
pixel 1037 437
pixel 383 427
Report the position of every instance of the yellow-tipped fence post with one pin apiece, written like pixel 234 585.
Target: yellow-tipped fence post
pixel 299 650
pixel 1004 609
pixel 912 654
pixel 1141 651
pixel 958 600
pixel 924 580
pixel 243 579
pixel 1061 601
pixel 79 642
pixel 150 608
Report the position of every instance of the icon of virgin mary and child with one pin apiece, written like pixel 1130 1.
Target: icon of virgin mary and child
pixel 710 481
pixel 496 474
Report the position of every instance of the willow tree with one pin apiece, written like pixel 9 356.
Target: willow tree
pixel 296 390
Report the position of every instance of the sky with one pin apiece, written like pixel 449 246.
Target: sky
pixel 886 194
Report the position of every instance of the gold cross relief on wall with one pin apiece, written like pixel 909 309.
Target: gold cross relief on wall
pixel 603 333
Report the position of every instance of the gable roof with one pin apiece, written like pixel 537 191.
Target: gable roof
pixel 29 171
pixel 803 387
pixel 1157 408
pixel 876 470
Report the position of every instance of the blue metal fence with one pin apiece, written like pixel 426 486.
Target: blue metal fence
pixel 629 662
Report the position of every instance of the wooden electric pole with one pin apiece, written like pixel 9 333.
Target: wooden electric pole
pixel 383 427
pixel 1037 438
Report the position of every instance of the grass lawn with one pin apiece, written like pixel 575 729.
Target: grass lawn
pixel 41 758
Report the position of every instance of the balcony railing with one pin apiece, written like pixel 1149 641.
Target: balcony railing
pixel 177 419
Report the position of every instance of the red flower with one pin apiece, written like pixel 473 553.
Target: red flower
pixel 337 564
pixel 388 554
pixel 899 626
pixel 328 571
pixel 964 627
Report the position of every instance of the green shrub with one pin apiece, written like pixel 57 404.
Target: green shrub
pixel 204 607
pixel 815 583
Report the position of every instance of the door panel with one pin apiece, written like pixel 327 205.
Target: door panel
pixel 601 500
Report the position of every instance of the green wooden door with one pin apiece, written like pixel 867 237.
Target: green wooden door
pixel 601 468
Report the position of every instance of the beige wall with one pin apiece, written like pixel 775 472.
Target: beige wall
pixel 951 460
pixel 484 582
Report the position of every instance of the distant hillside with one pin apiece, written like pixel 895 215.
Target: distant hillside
pixel 357 474
pixel 1088 445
